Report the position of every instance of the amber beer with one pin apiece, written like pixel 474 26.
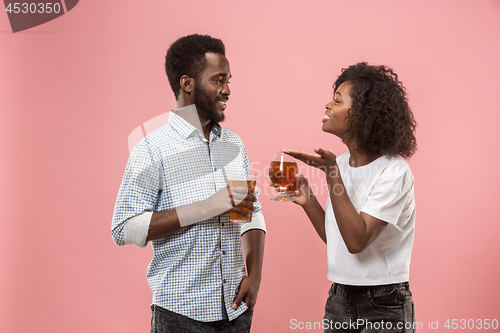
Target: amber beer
pixel 251 188
pixel 283 174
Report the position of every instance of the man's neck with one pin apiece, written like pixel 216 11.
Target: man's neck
pixel 190 114
pixel 207 128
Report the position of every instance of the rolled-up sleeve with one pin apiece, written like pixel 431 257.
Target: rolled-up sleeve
pixel 257 222
pixel 137 195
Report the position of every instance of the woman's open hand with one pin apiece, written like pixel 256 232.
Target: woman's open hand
pixel 322 159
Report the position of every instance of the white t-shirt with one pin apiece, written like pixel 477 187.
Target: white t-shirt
pixel 382 189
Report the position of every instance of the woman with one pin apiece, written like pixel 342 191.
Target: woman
pixel 369 219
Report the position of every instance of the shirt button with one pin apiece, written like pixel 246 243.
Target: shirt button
pixel 224 252
pixel 224 281
pixel 222 224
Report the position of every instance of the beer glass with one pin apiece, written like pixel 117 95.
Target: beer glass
pixel 242 180
pixel 282 173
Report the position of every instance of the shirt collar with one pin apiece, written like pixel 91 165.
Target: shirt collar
pixel 185 129
pixel 217 129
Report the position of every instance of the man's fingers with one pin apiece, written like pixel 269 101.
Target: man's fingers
pixel 237 301
pixel 244 204
pixel 239 193
pixel 242 199
pixel 238 210
pixel 246 201
pixel 238 190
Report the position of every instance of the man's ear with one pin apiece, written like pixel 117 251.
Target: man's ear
pixel 187 84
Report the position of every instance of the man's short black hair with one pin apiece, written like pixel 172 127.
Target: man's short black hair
pixel 186 56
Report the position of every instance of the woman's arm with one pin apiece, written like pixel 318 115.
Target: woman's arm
pixel 316 215
pixel 305 198
pixel 358 230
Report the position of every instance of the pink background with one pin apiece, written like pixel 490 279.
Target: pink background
pixel 72 90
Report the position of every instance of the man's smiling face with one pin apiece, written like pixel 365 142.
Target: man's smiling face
pixel 211 91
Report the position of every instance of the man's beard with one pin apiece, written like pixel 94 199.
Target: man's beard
pixel 206 109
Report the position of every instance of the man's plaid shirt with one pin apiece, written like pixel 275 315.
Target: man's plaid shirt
pixel 197 269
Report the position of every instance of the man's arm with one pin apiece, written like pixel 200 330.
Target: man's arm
pixel 221 203
pixel 252 243
pixel 163 224
pixel 149 226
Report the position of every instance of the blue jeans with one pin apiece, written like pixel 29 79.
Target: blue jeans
pixel 382 309
pixel 164 321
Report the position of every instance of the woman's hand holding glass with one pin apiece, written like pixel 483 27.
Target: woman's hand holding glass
pixel 282 173
pixel 303 192
pixel 322 159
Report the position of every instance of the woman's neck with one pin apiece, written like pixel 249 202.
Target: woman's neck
pixel 358 159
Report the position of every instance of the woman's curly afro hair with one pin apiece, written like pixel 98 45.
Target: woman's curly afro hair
pixel 380 119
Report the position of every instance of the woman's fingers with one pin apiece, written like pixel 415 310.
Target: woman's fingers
pixel 301 156
pixel 321 158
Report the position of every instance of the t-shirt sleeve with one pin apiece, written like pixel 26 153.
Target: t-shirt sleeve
pixel 389 195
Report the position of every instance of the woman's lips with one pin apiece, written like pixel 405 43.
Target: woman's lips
pixel 326 117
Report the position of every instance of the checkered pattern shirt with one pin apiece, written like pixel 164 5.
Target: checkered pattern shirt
pixel 196 271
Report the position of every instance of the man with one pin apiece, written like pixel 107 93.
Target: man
pixel 174 194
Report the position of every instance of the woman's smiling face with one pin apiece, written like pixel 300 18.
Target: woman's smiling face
pixel 337 111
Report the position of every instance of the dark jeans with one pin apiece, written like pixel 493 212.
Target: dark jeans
pixel 164 321
pixel 353 309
